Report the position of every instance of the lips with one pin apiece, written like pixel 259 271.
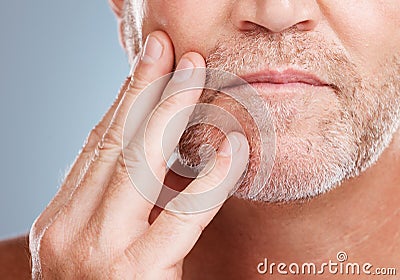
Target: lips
pixel 276 79
pixel 285 77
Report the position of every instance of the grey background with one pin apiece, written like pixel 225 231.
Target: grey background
pixel 60 68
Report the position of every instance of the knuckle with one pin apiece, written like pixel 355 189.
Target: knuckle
pixel 46 231
pixel 121 173
pixel 139 82
pixel 131 253
pixel 124 87
pixel 94 137
pixel 52 243
pixel 119 178
pixel 113 137
pixel 169 104
pixel 184 220
pixel 139 256
pixel 107 149
pixel 135 155
pixel 121 166
pixel 36 229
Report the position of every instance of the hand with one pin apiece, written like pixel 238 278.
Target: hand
pixel 97 226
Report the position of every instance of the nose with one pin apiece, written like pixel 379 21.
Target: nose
pixel 276 15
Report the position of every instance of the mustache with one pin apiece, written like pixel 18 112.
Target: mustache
pixel 258 49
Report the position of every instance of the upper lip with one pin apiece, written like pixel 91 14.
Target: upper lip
pixel 288 76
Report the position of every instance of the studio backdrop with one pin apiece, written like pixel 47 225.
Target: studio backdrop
pixel 61 66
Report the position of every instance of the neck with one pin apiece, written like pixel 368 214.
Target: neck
pixel 360 218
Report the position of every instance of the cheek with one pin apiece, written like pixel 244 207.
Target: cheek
pixel 192 25
pixel 369 30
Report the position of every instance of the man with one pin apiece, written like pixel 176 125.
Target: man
pixel 328 73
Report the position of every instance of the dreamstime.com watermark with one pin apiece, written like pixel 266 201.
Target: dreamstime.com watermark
pixel 341 266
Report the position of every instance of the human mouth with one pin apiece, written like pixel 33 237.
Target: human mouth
pixel 274 84
pixel 287 77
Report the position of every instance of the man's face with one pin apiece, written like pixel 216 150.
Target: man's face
pixel 325 132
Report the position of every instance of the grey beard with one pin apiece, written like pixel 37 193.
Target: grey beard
pixel 348 138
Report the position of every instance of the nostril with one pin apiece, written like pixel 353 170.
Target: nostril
pixel 306 25
pixel 247 26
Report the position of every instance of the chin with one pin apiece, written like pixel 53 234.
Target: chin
pixel 303 169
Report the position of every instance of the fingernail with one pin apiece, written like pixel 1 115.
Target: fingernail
pixel 184 70
pixel 152 50
pixel 229 146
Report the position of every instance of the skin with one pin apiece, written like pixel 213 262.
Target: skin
pixel 360 217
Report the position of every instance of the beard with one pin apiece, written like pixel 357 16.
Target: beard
pixel 320 139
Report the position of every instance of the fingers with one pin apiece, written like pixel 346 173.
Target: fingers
pixel 145 157
pixel 169 121
pixel 172 235
pixel 156 62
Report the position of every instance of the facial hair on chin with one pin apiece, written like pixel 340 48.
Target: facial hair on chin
pixel 331 138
